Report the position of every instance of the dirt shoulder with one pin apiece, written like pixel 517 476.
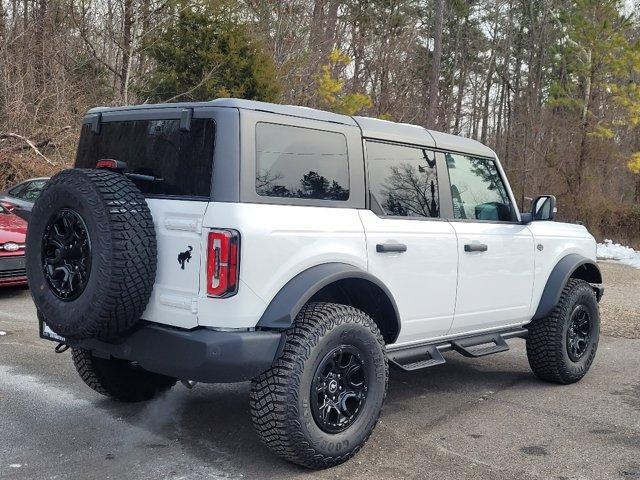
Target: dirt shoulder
pixel 620 305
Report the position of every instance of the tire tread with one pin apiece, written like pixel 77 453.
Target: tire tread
pixel 274 394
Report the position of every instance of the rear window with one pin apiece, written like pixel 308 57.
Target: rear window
pixel 296 162
pixel 181 162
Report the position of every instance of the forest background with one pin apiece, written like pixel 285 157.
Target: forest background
pixel 552 86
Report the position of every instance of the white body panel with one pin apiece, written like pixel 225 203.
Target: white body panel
pixel 423 279
pixel 278 242
pixel 557 241
pixel 440 290
pixel 178 226
pixel 494 287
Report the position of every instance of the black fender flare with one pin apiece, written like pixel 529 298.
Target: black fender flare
pixel 285 306
pixel 572 265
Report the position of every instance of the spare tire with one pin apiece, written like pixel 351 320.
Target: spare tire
pixel 91 253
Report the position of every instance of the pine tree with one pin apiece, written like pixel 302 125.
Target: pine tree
pixel 205 54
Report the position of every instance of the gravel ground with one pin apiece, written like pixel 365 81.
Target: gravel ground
pixel 620 305
pixel 480 419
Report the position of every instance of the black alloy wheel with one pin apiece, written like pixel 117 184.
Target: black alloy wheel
pixel 66 254
pixel 578 333
pixel 561 347
pixel 339 389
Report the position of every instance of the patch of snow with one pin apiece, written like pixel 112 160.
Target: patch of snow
pixel 15 465
pixel 2 333
pixel 614 251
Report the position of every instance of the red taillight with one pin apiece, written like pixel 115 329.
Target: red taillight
pixel 111 164
pixel 223 255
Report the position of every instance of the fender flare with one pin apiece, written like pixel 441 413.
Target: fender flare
pixel 285 306
pixel 559 277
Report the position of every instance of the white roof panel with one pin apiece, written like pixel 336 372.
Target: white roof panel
pixel 371 127
pixel 394 132
pixel 417 135
pixel 456 143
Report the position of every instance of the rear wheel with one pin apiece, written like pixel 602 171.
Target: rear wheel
pixel 562 346
pixel 119 379
pixel 321 399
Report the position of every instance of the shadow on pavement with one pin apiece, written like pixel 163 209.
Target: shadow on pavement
pixel 212 422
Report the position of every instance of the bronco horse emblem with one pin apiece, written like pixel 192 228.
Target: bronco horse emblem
pixel 185 257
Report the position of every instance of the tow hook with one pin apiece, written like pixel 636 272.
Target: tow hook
pixel 189 383
pixel 61 348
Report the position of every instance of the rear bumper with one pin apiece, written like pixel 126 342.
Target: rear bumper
pixel 202 355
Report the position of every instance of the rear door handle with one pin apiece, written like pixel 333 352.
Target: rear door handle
pixel 475 247
pixel 391 247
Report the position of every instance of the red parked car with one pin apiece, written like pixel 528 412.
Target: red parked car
pixel 13 231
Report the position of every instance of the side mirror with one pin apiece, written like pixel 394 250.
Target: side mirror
pixel 544 208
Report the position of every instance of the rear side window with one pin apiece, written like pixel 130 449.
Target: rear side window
pixel 296 162
pixel 179 162
pixel 403 180
pixel 477 189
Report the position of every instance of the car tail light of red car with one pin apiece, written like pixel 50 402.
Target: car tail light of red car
pixel 223 263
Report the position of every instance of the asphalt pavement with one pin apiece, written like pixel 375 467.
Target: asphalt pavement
pixel 471 419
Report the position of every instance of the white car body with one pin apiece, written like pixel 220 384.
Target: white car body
pixel 441 291
pixel 304 251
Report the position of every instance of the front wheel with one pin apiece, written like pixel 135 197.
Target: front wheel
pixel 562 346
pixel 319 402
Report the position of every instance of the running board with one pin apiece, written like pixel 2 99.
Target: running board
pixel 485 345
pixel 417 357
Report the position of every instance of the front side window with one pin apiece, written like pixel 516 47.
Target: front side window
pixel 477 189
pixel 295 162
pixel 403 180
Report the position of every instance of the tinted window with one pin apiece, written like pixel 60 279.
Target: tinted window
pixel 15 191
pixel 181 162
pixel 32 191
pixel 477 189
pixel 296 162
pixel 403 180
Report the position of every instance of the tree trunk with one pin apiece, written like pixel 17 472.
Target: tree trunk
pixel 582 160
pixel 487 94
pixel 434 84
pixel 127 47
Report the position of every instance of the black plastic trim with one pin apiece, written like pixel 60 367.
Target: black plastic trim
pixel 558 279
pixel 429 354
pixel 201 354
pixel 284 307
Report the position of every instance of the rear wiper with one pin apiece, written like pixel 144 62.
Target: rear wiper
pixel 144 178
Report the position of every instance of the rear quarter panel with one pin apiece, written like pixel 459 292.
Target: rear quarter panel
pixel 277 242
pixel 553 241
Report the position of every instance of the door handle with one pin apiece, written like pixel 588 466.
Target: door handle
pixel 391 247
pixel 475 247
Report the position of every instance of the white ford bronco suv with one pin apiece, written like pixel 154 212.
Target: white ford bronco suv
pixel 304 251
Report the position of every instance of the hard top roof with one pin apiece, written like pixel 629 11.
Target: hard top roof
pixel 372 128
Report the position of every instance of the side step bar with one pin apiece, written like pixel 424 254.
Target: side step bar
pixel 417 357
